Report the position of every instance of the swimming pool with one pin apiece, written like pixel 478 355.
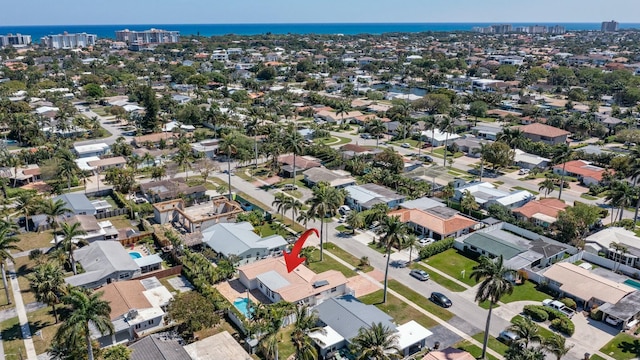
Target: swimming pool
pixel 632 283
pixel 135 255
pixel 242 304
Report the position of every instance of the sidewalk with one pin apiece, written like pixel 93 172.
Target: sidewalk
pixel 22 313
pixel 413 305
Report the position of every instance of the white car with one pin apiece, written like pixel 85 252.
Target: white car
pixel 405 145
pixel 426 241
pixel 523 171
pixel 342 219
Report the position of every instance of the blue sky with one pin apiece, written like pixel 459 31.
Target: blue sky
pixel 71 12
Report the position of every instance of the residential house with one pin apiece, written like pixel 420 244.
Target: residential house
pixel 544 133
pixel 137 309
pixel 543 212
pixel 22 175
pixel 600 243
pixel 350 151
pixel 302 163
pixel 437 222
pixel 586 287
pixel 216 347
pixel 180 99
pixel 159 346
pixel 107 163
pixel 529 161
pixel 625 313
pixel 103 262
pixel 586 173
pixel 448 354
pixel 363 197
pixel 155 139
pixel 520 249
pixel 301 286
pixel 173 126
pixel 99 149
pixel 341 318
pixel 332 117
pixel 486 194
pixel 163 190
pixel 207 147
pixel 470 145
pixel 197 217
pixel 94 230
pixel 79 204
pixel 337 179
pixel 438 138
pixel 486 132
pixel 239 240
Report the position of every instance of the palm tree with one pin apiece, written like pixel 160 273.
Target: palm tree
pixel 620 249
pixel 376 128
pixel 411 241
pixel 355 220
pixel 67 167
pixel 342 108
pixel 445 125
pixel 183 158
pixel 304 218
pixel 547 185
pixel 294 205
pixel 69 232
pixel 86 311
pixel 376 342
pixel 7 243
pixel 280 202
pixel 306 322
pixel 325 200
pixel 512 136
pixel 431 123
pixel 526 330
pixel 53 210
pixel 562 154
pixel 47 283
pixel 395 231
pixel 294 142
pixel 27 203
pixel 494 285
pixel 556 344
pixel 448 192
pixel 620 194
pixel 468 202
pixel 227 146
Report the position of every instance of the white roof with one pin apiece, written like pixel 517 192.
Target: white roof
pixel 617 234
pixel 440 136
pixel 81 149
pixel 328 339
pixel 83 163
pixel 44 109
pixel 411 333
pixel 514 197
pixel 131 107
pixel 158 297
pixel 524 157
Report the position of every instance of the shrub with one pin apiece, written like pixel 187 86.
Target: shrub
pixel 536 313
pixel 436 248
pixel 596 314
pixel 564 325
pixel 553 313
pixel 568 302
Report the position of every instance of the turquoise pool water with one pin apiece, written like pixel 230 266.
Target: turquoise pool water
pixel 242 304
pixel 632 283
pixel 135 255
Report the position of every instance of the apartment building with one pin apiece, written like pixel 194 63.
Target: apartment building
pixel 151 36
pixel 14 40
pixel 69 41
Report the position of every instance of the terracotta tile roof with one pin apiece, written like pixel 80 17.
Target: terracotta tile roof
pixel 434 223
pixel 300 280
pixel 549 207
pixel 302 162
pixel 354 147
pixel 582 168
pixel 124 296
pixel 543 130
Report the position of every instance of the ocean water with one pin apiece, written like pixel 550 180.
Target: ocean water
pixel 108 31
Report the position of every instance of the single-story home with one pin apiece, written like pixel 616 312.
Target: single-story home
pixel 600 242
pixel 543 212
pixel 94 230
pixel 22 175
pixel 448 354
pixel 136 309
pixel 215 347
pixel 343 317
pixel 486 194
pixel 470 145
pixel 79 204
pixel 160 346
pixel 301 286
pixel 240 240
pixel 586 173
pixel 302 163
pixel 438 138
pixel 363 197
pixel 103 262
pixel 207 147
pixel 437 222
pixel 584 286
pixel 163 190
pixel 98 149
pixel 530 161
pixel 625 313
pixel 107 163
pixel 486 132
pixel 337 179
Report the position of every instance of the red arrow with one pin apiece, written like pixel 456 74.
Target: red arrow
pixel 292 258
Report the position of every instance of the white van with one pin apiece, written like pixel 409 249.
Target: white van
pixel 289 187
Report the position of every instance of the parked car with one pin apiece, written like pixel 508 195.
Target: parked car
pixel 440 299
pixel 555 304
pixel 426 158
pixel 426 241
pixel 365 136
pixel 508 337
pixel 374 225
pixel 342 219
pixel 523 171
pixel 420 275
pixel 289 187
pixel 344 210
pixel 405 145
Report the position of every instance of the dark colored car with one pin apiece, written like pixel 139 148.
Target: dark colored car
pixel 420 275
pixel 440 299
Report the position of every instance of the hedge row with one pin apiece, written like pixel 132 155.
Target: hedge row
pixel 536 313
pixel 436 248
pixel 564 325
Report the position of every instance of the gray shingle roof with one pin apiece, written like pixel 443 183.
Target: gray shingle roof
pixel 237 238
pixel 77 203
pixel 100 259
pixel 158 347
pixel 493 245
pixel 346 315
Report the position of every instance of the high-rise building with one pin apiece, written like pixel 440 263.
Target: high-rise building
pixel 501 29
pixel 151 36
pixel 609 26
pixel 15 40
pixel 557 30
pixel 69 41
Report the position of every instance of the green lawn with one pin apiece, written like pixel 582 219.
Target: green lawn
pixel 377 247
pixel 526 291
pixel 588 197
pixel 472 349
pixel 43 320
pixel 453 263
pixel 622 347
pixel 399 310
pixel 444 281
pixel 498 183
pixel 413 143
pixel 493 343
pixel 345 256
pixel 285 346
pixel 440 151
pixel 596 357
pixel 332 141
pixel 328 263
pixel 12 338
pixel 525 189
pixel 420 300
pixel 272 229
